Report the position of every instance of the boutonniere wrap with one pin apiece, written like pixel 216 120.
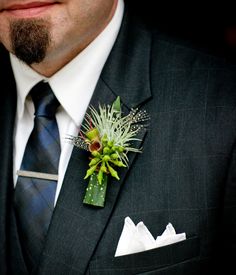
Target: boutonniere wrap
pixel 108 136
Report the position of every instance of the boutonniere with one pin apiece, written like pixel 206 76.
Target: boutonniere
pixel 108 136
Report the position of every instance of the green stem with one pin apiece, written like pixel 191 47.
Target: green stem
pixel 96 192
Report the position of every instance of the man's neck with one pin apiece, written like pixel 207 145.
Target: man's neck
pixel 54 62
pixel 49 66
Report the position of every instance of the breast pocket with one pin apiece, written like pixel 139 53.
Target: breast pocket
pixel 150 260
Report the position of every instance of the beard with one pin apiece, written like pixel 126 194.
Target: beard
pixel 30 39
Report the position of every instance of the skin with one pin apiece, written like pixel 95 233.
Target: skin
pixel 73 24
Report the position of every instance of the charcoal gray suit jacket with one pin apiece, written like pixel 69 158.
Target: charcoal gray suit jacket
pixel 186 174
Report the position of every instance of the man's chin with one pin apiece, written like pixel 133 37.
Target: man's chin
pixel 29 60
pixel 30 40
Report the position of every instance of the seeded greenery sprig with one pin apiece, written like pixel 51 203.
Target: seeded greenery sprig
pixel 109 137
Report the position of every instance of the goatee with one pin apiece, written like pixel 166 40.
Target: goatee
pixel 30 39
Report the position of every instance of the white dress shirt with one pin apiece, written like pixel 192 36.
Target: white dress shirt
pixel 73 86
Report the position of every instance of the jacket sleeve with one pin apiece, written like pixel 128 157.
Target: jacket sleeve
pixel 226 251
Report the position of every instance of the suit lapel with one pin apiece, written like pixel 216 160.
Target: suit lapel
pixel 7 118
pixel 76 228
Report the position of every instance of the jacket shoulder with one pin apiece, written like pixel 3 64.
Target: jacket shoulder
pixel 183 54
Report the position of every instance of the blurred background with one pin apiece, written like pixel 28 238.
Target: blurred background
pixel 209 25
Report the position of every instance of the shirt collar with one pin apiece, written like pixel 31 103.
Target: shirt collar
pixel 74 84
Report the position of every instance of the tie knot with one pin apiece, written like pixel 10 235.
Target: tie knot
pixel 45 102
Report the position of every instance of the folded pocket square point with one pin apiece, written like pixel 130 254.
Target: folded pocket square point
pixel 137 238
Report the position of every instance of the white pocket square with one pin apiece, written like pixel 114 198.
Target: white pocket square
pixel 137 238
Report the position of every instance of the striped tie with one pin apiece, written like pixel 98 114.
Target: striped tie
pixel 34 198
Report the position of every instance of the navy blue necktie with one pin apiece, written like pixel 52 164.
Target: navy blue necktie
pixel 34 198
